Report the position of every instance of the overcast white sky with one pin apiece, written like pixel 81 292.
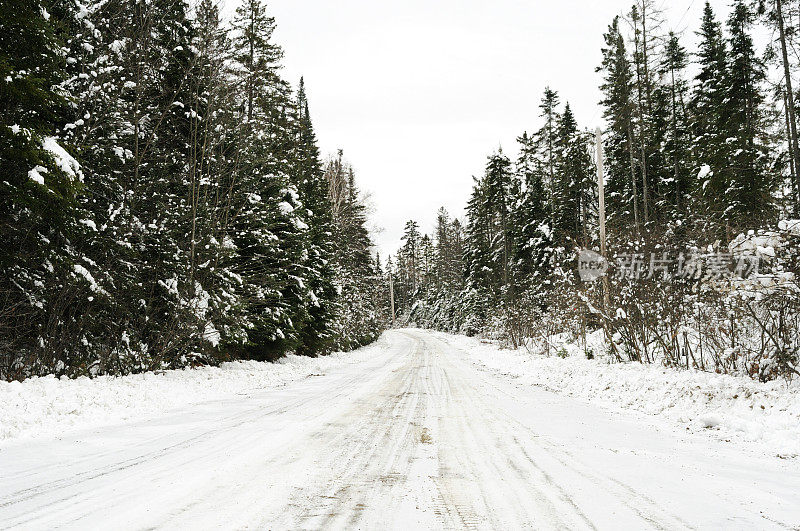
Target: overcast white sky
pixel 419 92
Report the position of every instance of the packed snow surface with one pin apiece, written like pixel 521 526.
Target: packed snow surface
pixel 419 431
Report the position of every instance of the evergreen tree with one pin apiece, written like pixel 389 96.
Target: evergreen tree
pixel 617 87
pixel 500 196
pixel 478 249
pixel 256 55
pixel 489 244
pixel 747 184
pixel 269 231
pixel 675 188
pixel 545 139
pixel 358 318
pixel 40 182
pixel 707 110
pixel 443 244
pixel 412 257
pixel 531 217
pixel 315 335
pixel 574 187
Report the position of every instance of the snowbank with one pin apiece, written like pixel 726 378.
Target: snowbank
pixel 732 408
pixel 50 406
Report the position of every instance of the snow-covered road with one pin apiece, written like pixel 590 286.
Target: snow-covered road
pixel 415 437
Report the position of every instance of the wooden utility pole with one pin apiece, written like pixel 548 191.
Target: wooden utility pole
pixel 391 294
pixel 601 214
pixel 601 210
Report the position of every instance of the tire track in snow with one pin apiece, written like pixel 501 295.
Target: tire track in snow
pixel 532 473
pixel 415 438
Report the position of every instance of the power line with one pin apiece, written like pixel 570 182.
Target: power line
pixel 685 13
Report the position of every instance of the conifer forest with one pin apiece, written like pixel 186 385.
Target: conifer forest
pixel 164 200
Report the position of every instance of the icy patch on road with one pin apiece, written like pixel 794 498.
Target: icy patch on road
pixel 729 407
pixel 47 406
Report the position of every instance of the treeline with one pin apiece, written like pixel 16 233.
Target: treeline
pixel 163 199
pixel 701 166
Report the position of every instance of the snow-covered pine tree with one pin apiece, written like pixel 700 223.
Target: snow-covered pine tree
pixel 707 117
pixel 314 333
pixel 676 184
pixel 164 201
pixel 489 242
pixel 477 260
pixel 622 191
pixel 747 192
pixel 531 217
pixel 41 179
pixel 269 229
pixel 574 189
pixel 358 318
pixel 544 141
pixel 501 192
pixel 412 258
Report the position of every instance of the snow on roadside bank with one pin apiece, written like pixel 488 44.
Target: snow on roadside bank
pixel 49 406
pixel 735 408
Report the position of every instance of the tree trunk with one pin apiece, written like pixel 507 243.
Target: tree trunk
pixel 675 173
pixel 250 61
pixel 793 145
pixel 633 177
pixel 792 167
pixel 642 135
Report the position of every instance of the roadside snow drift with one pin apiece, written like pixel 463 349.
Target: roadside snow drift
pixel 49 406
pixel 734 408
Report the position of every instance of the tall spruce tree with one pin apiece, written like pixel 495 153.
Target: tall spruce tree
pixel 545 139
pixel 574 187
pixel 499 201
pixel 269 230
pixel 676 187
pixel 531 218
pixel 358 318
pixel 707 111
pixel 38 190
pixel 623 191
pixel 315 335
pixel 747 183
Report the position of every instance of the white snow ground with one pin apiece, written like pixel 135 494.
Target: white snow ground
pixel 417 431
